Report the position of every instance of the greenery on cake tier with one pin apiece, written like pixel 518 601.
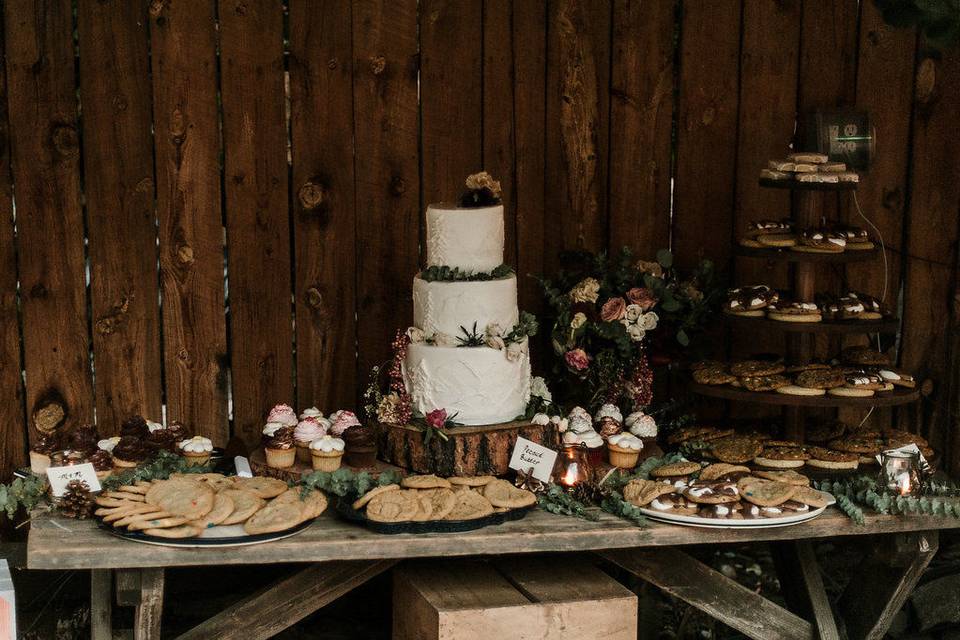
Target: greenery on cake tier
pixel 439 273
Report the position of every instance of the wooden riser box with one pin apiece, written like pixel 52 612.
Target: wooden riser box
pixel 521 598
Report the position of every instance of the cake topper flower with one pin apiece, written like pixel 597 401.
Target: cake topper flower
pixel 482 191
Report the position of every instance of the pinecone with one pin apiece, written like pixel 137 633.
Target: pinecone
pixel 76 501
pixel 589 492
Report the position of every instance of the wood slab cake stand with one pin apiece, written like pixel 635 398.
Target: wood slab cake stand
pixel 808 200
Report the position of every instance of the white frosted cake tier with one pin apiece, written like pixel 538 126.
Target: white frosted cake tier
pixel 479 384
pixel 471 239
pixel 447 306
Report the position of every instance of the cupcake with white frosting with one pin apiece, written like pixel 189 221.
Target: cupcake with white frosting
pixel 641 425
pixel 196 450
pixel 624 450
pixel 326 453
pixel 609 420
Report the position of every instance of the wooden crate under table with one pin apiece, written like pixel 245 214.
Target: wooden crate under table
pixel 530 597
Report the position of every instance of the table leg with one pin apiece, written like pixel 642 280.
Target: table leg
pixel 877 593
pixel 146 619
pixel 101 604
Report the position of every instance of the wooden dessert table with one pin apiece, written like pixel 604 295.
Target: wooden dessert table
pixel 341 556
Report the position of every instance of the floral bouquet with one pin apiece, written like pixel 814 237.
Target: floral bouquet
pixel 606 310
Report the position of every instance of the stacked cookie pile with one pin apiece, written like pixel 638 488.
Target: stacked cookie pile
pixel 808 166
pixel 724 491
pixel 831 237
pixel 760 301
pixel 860 373
pixel 830 447
pixel 427 498
pixel 187 504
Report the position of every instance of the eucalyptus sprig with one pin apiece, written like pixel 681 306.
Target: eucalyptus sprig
pixel 346 483
pixel 22 492
pixel 160 468
pixel 614 504
pixel 556 500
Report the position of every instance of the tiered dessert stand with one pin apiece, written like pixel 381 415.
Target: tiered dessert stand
pixel 808 198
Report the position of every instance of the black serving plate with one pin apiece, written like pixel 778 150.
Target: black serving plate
pixel 219 536
pixel 347 512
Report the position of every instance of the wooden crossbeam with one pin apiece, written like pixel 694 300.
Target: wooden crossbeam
pixel 688 579
pixel 101 604
pixel 806 563
pixel 879 591
pixel 286 602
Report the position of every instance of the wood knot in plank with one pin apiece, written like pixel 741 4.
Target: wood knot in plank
pixel 185 254
pixel 397 186
pixel 119 103
pixel 110 322
pixel 48 417
pixel 892 199
pixel 708 116
pixel 926 80
pixel 184 356
pixel 333 63
pixel 874 37
pixel 926 387
pixel 156 7
pixel 64 140
pixel 178 128
pixel 311 194
pixel 314 297
pixel 240 9
pixel 38 291
pixel 377 65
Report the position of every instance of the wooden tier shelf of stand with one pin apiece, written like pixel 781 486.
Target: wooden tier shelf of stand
pixel 886 399
pixel 886 325
pixel 794 185
pixel 788 255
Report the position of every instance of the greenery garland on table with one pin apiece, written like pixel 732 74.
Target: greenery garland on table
pixel 161 467
pixel 22 492
pixel 346 483
pixel 863 492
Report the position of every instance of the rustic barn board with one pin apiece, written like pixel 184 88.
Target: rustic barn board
pixel 706 131
pixel 324 217
pixel 932 233
pixel 13 435
pixel 577 123
pixel 767 117
pixel 187 151
pixel 499 109
pixel 331 538
pixel 149 611
pixel 119 189
pixel 387 172
pixel 258 231
pixel 278 606
pixel 683 577
pixel 641 122
pixel 530 55
pixel 451 102
pixel 45 154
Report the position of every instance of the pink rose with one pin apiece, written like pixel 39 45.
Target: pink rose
pixel 437 418
pixel 613 309
pixel 577 359
pixel 643 297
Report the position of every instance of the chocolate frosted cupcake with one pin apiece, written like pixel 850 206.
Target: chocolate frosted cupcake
pixel 177 431
pixel 102 463
pixel 129 452
pixel 85 439
pixel 163 440
pixel 135 426
pixel 45 445
pixel 361 445
pixel 280 450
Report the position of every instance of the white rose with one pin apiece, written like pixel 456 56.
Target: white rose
pixel 579 412
pixel 495 342
pixel 493 329
pixel 515 351
pixel 587 290
pixel 649 321
pixel 443 339
pixel 634 311
pixel 562 425
pixel 579 319
pixel 579 424
pixel 541 419
pixel 538 389
pixel 636 332
pixel 416 334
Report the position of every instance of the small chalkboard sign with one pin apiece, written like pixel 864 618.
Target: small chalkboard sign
pixel 845 135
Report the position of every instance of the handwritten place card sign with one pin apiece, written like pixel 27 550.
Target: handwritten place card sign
pixel 529 455
pixel 60 477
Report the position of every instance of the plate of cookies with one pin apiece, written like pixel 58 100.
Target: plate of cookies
pixel 726 496
pixel 207 509
pixel 430 504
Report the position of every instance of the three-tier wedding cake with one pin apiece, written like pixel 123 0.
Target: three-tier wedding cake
pixel 468 351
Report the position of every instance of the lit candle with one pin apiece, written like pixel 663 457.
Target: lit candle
pixel 903 483
pixel 570 477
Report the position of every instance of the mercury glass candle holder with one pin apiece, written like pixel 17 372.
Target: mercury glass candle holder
pixel 900 473
pixel 572 466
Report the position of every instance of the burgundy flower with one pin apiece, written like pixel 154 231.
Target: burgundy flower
pixel 437 418
pixel 577 359
pixel 643 297
pixel 613 309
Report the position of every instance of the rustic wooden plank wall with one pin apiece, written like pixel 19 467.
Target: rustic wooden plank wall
pixel 247 198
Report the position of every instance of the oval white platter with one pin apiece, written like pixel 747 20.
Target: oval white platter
pixel 716 523
pixel 216 537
